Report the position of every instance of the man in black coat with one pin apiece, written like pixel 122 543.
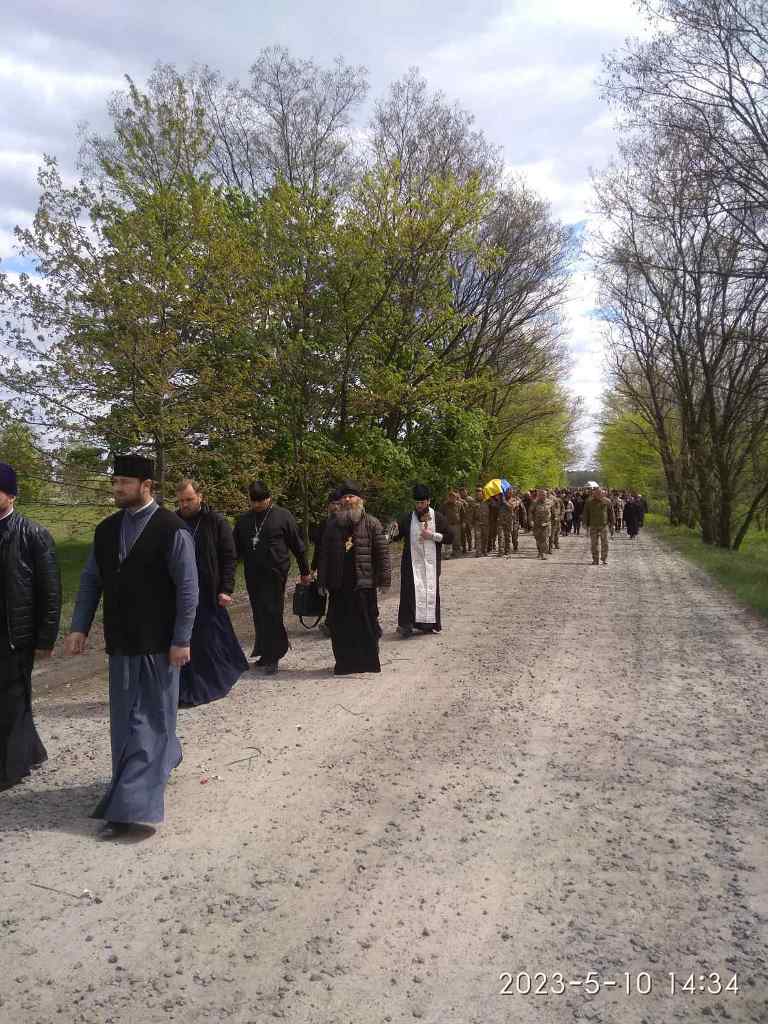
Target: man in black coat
pixel 30 609
pixel 216 658
pixel 265 538
pixel 423 532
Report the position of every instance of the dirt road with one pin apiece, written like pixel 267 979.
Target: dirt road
pixel 571 778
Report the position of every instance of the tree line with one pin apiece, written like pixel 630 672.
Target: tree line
pixel 683 262
pixel 245 283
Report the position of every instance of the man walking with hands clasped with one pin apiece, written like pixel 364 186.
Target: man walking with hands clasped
pixel 143 563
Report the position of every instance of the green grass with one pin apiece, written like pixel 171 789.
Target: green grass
pixel 744 573
pixel 72 529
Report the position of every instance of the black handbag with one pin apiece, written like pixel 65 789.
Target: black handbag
pixel 308 603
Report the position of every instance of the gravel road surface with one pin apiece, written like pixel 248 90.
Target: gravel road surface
pixel 571 778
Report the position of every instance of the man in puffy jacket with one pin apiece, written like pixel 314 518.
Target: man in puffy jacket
pixel 354 563
pixel 30 608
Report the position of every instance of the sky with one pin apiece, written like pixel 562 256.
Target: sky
pixel 526 69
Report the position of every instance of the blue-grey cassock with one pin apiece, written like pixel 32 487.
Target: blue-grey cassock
pixel 143 688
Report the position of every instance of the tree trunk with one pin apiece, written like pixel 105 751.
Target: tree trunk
pixel 724 521
pixel 742 531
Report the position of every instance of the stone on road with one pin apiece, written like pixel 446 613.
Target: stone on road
pixel 571 778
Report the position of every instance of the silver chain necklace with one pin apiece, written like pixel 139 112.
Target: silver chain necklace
pixel 258 530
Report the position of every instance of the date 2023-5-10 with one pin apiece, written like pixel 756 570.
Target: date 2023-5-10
pixel 640 983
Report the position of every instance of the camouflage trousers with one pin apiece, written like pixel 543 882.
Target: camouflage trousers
pixel 598 542
pixel 481 539
pixel 508 534
pixel 554 536
pixel 541 533
pixel 456 543
pixel 504 540
pixel 466 536
pixel 493 529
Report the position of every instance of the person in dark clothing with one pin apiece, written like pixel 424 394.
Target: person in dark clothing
pixel 142 564
pixel 316 536
pixel 578 511
pixel 265 538
pixel 30 609
pixel 354 563
pixel 633 517
pixel 423 532
pixel 216 658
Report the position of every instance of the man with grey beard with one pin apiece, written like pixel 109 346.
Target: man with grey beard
pixel 354 563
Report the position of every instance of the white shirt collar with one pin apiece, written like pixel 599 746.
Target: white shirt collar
pixel 10 512
pixel 138 511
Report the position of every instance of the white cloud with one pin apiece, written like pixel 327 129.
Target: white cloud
pixel 50 85
pixel 570 200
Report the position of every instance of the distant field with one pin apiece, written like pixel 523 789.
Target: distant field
pixel 743 572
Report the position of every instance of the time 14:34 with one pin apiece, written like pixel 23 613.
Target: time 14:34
pixel 712 984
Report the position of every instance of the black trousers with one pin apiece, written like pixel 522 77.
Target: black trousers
pixel 266 592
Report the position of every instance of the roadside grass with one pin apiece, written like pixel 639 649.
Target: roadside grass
pixel 744 573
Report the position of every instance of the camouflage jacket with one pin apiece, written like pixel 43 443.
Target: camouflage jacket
pixel 598 513
pixel 540 513
pixel 467 509
pixel 481 513
pixel 510 510
pixel 452 511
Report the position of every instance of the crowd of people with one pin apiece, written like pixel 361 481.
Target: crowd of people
pixel 166 579
pixel 485 525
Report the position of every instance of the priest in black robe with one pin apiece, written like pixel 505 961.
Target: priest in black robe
pixel 216 658
pixel 423 532
pixel 354 563
pixel 265 539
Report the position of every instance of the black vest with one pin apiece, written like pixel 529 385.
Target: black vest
pixel 139 594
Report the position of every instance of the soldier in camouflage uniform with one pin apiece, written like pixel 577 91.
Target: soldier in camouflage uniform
pixel 598 519
pixel 493 503
pixel 480 516
pixel 540 517
pixel 506 515
pixel 509 524
pixel 556 511
pixel 467 506
pixel 519 518
pixel 451 509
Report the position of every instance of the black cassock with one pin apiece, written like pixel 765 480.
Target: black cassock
pixel 633 516
pixel 20 745
pixel 353 622
pixel 406 614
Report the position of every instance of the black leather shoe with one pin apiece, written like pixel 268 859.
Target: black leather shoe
pixel 270 669
pixel 114 829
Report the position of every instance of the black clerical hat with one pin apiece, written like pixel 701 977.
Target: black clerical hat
pixel 349 488
pixel 259 491
pixel 138 466
pixel 421 492
pixel 8 482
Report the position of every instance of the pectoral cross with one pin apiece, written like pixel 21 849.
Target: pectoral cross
pixel 348 544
